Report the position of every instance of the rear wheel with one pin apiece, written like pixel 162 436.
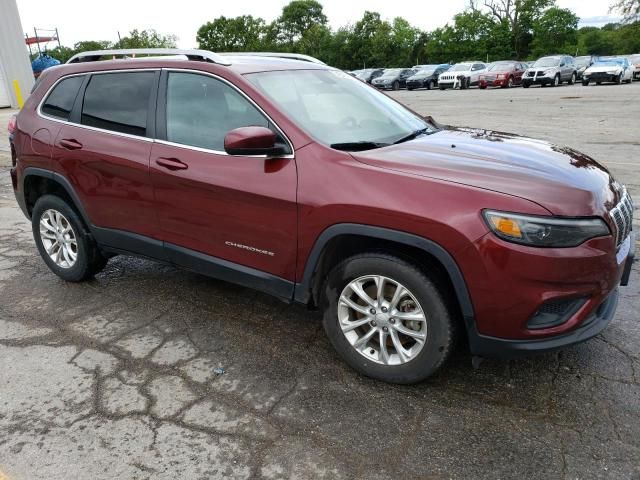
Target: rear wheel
pixel 63 241
pixel 525 85
pixel 585 83
pixel 386 318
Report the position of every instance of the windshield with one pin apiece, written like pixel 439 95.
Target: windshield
pixel 391 72
pixel 606 63
pixel 425 73
pixel 500 67
pixel 335 108
pixel 583 61
pixel 460 67
pixel 547 62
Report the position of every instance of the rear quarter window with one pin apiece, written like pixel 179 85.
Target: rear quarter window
pixel 60 100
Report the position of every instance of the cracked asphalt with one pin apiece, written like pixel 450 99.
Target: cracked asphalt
pixel 118 377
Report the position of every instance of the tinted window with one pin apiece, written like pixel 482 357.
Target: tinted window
pixel 118 102
pixel 201 110
pixel 60 101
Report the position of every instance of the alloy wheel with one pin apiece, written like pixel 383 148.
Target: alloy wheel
pixel 58 238
pixel 382 320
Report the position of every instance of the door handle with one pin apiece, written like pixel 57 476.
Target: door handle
pixel 70 144
pixel 171 163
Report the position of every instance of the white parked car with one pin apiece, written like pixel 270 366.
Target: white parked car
pixel 616 70
pixel 463 75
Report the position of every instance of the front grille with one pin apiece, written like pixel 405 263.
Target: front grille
pixel 490 78
pixel 622 215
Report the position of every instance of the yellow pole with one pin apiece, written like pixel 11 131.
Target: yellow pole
pixel 16 87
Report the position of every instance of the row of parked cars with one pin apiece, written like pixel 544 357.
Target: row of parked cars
pixel 547 71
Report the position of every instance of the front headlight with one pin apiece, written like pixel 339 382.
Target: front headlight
pixel 538 231
pixel 612 72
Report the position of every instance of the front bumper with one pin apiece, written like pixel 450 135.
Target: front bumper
pixel 600 77
pixel 486 346
pixel 498 82
pixel 510 284
pixel 539 80
pixel 382 86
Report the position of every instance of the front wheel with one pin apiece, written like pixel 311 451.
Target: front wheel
pixel 510 82
pixel 585 83
pixel 572 80
pixel 387 319
pixel 556 81
pixel 63 241
pixel 396 85
pixel 429 85
pixel 442 88
pixel 619 80
pixel 525 85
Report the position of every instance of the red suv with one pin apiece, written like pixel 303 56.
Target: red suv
pixel 298 180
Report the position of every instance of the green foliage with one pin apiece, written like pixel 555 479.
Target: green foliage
pixel 224 34
pixel 493 30
pixel 555 31
pixel 146 39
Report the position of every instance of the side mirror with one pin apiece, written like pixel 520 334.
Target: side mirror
pixel 252 141
pixel 563 64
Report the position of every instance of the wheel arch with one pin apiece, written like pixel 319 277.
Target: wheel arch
pixel 343 240
pixel 38 181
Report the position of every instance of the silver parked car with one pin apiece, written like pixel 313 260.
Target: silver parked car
pixel 552 71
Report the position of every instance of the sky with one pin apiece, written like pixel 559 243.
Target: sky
pixel 77 20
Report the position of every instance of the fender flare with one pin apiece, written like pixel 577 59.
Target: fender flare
pixel 302 291
pixel 62 181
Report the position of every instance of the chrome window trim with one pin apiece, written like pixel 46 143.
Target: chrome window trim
pixel 156 140
pixel 249 99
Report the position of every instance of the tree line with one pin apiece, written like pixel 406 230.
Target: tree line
pixel 484 30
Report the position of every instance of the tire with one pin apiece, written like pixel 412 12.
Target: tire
pixel 585 83
pixel 82 258
pixel 442 88
pixel 429 85
pixel 556 81
pixel 572 80
pixel 525 85
pixel 598 83
pixel 510 83
pixel 619 79
pixel 483 87
pixel 410 89
pixel 437 327
pixel 396 85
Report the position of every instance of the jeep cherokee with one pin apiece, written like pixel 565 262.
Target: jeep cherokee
pixel 294 178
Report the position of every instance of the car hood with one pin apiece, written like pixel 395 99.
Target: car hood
pixel 603 68
pixel 560 179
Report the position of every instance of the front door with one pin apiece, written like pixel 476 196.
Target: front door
pixel 236 208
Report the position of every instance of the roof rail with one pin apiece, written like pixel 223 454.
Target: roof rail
pixel 287 56
pixel 199 55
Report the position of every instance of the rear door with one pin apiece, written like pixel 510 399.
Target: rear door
pixel 104 148
pixel 239 209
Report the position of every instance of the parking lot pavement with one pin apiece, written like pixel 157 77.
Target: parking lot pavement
pixel 117 377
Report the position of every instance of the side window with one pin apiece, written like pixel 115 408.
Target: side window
pixel 60 101
pixel 201 110
pixel 118 102
pixel 478 66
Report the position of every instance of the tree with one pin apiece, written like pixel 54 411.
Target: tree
pixel 555 32
pixel 298 17
pixel 519 15
pixel 630 9
pixel 146 39
pixel 224 34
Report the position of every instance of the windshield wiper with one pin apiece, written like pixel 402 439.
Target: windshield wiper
pixel 412 135
pixel 358 146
